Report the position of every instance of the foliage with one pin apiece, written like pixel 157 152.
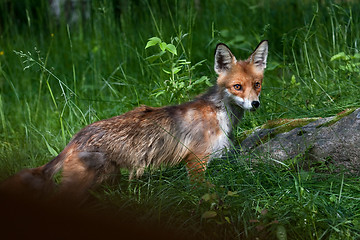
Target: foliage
pixel 179 84
pixel 350 64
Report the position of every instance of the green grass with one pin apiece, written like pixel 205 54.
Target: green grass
pixel 56 78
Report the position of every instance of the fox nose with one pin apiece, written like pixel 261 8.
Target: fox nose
pixel 255 104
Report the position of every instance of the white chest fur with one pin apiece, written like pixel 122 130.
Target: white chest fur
pixel 222 140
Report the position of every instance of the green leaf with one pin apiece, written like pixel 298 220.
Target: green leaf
pixel 209 214
pixel 340 56
pixel 158 93
pixel 281 232
pixel 175 70
pixel 231 194
pixel 171 48
pixel 200 80
pixel 357 56
pixel 162 46
pixel 293 80
pixel 333 198
pixel 166 71
pixel 153 41
pixel 181 85
pixel 206 197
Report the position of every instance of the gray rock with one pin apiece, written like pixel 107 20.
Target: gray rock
pixel 333 143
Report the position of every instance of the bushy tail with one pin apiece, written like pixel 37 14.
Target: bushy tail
pixel 35 181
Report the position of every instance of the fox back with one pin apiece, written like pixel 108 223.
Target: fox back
pixel 193 132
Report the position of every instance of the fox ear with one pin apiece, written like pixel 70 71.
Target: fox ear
pixel 259 56
pixel 224 59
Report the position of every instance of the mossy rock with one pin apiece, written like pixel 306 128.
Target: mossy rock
pixel 321 142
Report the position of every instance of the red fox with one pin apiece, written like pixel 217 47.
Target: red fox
pixel 193 132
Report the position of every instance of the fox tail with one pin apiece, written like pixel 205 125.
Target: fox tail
pixel 36 182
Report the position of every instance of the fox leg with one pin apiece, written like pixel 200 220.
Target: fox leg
pixel 196 166
pixel 80 173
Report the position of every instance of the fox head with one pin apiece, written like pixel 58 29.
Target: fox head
pixel 240 80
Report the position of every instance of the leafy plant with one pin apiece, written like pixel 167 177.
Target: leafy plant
pixel 349 63
pixel 179 83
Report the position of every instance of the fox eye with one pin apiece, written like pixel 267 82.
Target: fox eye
pixel 237 87
pixel 257 85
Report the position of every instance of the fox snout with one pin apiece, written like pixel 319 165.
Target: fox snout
pixel 255 105
pixel 244 103
pixel 250 105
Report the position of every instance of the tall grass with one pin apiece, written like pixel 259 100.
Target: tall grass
pixel 57 77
